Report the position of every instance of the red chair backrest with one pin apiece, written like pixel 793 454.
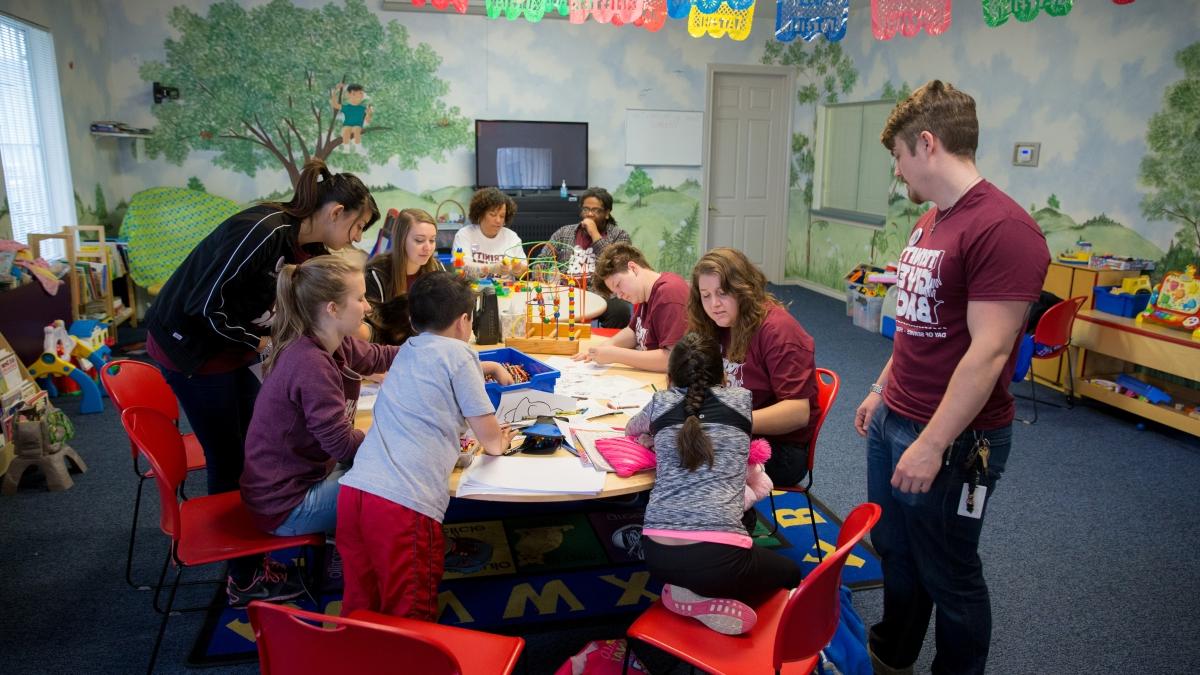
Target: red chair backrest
pixel 292 641
pixel 828 384
pixel 158 439
pixel 1054 328
pixel 131 383
pixel 813 611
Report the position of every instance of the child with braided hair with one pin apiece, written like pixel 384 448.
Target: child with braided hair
pixel 700 430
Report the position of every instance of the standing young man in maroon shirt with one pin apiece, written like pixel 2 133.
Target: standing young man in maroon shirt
pixel 659 302
pixel 938 420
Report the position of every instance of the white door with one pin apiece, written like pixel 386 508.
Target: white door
pixel 747 122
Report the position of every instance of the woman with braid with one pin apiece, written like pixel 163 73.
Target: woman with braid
pixel 700 430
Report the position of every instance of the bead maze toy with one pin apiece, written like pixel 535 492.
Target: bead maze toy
pixel 545 284
pixel 1175 302
pixel 58 349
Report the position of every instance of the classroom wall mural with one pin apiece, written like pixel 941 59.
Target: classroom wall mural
pixel 1088 86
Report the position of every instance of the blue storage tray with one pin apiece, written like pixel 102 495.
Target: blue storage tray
pixel 541 376
pixel 1121 304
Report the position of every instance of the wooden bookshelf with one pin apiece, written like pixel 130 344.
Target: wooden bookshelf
pixel 85 296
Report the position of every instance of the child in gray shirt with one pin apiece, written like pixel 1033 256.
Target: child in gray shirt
pixel 393 500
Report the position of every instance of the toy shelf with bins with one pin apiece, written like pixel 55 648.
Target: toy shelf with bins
pixel 8 446
pixel 86 297
pixel 1109 345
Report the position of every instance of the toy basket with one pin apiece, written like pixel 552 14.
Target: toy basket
pixel 541 376
pixel 460 217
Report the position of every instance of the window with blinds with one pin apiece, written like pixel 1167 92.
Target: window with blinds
pixel 853 176
pixel 33 143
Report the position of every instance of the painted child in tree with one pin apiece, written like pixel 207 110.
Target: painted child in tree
pixel 355 115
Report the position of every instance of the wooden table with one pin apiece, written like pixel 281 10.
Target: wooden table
pixel 1111 345
pixel 614 485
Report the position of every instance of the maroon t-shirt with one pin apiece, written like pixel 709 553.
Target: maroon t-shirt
pixel 779 366
pixel 986 248
pixel 661 320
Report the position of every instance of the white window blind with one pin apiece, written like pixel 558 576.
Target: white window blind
pixel 33 142
pixel 853 174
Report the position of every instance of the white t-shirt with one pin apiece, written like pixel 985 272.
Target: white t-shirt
pixel 479 251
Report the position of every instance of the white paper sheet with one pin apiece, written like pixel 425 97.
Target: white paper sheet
pixel 367 395
pixel 537 475
pixel 520 404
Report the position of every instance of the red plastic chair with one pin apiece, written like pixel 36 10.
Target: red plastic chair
pixel 293 641
pixel 1051 338
pixel 828 384
pixel 202 529
pixel 135 383
pixel 792 629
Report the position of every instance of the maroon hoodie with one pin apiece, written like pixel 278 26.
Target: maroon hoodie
pixel 303 421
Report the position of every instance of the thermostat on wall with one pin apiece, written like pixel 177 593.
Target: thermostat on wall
pixel 1026 154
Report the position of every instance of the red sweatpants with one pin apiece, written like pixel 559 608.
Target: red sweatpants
pixel 392 556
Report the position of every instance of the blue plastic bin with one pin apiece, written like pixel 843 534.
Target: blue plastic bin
pixel 541 376
pixel 1121 304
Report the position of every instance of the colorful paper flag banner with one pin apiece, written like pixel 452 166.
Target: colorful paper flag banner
pixel 736 23
pixel 810 18
pixel 909 17
pixel 460 6
pixel 996 12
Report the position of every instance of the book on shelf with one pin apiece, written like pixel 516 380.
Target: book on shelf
pixel 10 372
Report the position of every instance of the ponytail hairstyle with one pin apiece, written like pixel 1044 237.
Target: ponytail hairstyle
pixel 316 187
pixel 745 282
pixel 695 365
pixel 301 293
pixel 399 255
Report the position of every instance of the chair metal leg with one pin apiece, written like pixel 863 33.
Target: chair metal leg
pixel 1033 396
pixel 161 577
pixel 774 517
pixel 812 520
pixel 137 504
pixel 162 626
pixel 1070 378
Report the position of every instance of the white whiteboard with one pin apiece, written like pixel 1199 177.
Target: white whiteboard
pixel 663 137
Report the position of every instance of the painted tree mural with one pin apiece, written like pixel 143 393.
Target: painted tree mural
pixel 823 73
pixel 255 88
pixel 1172 166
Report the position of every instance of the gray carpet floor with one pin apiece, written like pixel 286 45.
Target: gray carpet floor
pixel 1088 548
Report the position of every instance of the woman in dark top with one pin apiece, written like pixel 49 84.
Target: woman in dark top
pixel 211 320
pixel 390 275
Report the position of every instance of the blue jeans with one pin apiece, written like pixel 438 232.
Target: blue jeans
pixel 218 408
pixel 318 511
pixel 930 553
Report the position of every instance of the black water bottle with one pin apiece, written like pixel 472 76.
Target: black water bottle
pixel 487 322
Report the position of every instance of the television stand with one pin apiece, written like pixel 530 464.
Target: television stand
pixel 540 213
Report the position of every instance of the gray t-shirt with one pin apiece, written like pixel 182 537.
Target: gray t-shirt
pixel 434 383
pixel 708 499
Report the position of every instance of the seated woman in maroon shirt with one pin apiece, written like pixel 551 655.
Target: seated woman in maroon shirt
pixel 765 350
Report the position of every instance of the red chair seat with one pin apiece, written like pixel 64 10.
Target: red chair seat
pixel 713 652
pixel 477 652
pixel 218 528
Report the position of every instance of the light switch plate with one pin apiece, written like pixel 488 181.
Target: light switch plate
pixel 1026 154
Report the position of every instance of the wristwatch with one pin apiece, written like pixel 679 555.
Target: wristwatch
pixel 877 389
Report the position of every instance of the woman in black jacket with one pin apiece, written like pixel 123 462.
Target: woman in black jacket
pixel 212 318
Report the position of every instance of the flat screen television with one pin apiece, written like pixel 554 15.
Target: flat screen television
pixel 519 155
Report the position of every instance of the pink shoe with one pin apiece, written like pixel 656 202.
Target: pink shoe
pixel 720 614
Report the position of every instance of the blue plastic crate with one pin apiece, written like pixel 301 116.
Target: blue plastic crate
pixel 1121 304
pixel 541 376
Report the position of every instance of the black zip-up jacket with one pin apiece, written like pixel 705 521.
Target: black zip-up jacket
pixel 223 295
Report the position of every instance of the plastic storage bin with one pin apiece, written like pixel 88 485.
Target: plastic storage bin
pixel 541 376
pixel 1121 304
pixel 868 312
